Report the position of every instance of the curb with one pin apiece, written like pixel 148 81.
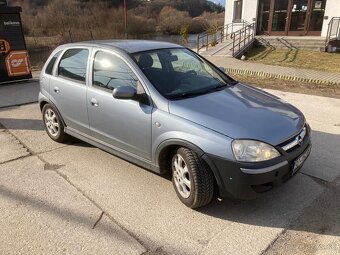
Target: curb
pixel 279 76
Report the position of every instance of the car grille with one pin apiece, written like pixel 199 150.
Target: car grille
pixel 295 141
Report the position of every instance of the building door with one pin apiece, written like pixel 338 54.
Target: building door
pixel 279 17
pixel 298 20
pixel 316 17
pixel 291 17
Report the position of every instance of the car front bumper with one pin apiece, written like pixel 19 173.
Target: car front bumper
pixel 247 180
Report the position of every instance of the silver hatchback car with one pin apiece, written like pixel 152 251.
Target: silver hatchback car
pixel 167 109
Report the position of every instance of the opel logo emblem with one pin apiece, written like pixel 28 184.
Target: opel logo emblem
pixel 299 140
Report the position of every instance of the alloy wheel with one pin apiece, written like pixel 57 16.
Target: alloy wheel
pixel 51 122
pixel 181 176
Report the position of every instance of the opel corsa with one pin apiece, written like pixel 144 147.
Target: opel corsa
pixel 167 109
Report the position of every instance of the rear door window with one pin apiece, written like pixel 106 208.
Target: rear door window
pixel 73 65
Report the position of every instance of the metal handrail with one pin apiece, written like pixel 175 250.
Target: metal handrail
pixel 219 34
pixel 330 35
pixel 242 38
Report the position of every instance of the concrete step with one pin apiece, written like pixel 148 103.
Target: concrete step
pixel 295 44
pixel 300 43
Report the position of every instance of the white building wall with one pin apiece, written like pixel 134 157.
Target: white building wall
pixel 229 8
pixel 332 10
pixel 249 10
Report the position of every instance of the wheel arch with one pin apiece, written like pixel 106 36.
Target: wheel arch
pixel 168 147
pixel 43 102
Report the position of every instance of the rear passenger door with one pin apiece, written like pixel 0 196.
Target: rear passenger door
pixel 68 87
pixel 124 124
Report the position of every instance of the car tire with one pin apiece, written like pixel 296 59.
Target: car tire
pixel 192 179
pixel 53 125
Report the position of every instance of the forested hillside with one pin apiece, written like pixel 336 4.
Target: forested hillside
pixel 103 19
pixel 193 7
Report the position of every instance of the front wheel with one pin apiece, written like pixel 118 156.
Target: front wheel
pixel 192 179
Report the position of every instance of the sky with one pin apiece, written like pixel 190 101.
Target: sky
pixel 222 2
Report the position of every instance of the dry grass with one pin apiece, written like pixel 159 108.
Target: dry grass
pixel 327 90
pixel 322 61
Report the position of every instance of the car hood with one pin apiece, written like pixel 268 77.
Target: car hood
pixel 242 111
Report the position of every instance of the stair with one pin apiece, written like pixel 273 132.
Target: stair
pixel 230 44
pixel 292 42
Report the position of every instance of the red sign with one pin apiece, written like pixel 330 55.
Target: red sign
pixel 17 63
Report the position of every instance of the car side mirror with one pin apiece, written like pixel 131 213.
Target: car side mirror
pixel 124 92
pixel 222 69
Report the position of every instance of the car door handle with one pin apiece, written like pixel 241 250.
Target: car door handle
pixel 94 102
pixel 56 90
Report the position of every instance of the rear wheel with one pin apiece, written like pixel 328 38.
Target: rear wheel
pixel 192 179
pixel 53 124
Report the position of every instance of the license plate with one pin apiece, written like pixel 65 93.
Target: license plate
pixel 300 160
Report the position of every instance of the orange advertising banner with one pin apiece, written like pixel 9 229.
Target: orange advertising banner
pixel 17 63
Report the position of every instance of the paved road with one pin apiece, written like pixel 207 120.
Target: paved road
pixel 76 199
pixel 18 93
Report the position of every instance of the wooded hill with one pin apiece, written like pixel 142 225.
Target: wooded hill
pixel 193 7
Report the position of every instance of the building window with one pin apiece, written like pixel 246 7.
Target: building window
pixel 237 11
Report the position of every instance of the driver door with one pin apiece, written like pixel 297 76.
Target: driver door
pixel 124 124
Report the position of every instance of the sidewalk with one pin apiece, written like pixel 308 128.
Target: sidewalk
pixel 235 66
pixel 24 92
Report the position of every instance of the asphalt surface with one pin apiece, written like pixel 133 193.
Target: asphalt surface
pixel 18 93
pixel 76 199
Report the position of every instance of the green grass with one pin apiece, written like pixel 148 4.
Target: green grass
pixel 296 58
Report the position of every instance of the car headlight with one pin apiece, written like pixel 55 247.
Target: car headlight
pixel 253 151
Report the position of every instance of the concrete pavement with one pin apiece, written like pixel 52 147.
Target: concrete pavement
pixel 74 198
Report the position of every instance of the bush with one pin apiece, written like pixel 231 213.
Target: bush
pixel 213 18
pixel 171 20
pixel 184 32
pixel 141 25
pixel 198 25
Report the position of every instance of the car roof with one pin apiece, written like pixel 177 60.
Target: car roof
pixel 130 46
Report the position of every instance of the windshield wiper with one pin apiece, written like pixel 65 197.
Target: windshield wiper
pixel 185 95
pixel 198 93
pixel 233 82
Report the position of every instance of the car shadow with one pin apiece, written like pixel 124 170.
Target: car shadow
pixel 21 124
pixel 308 194
pixel 304 194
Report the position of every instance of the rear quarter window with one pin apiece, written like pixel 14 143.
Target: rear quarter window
pixel 49 68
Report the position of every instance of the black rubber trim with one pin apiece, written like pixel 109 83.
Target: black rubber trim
pixel 179 142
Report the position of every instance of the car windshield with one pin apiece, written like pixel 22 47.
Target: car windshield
pixel 179 73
